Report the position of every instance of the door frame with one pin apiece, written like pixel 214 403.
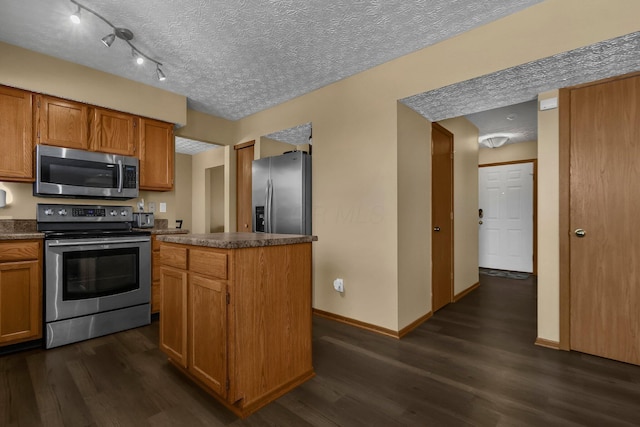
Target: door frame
pixel 535 203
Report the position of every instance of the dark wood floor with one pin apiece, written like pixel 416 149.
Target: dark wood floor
pixel 473 363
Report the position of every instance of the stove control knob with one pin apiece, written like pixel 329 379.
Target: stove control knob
pixel 123 213
pixel 113 213
pixel 62 212
pixel 48 212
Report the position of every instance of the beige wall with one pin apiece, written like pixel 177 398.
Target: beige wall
pixel 35 72
pixel 509 153
pixel 201 166
pixel 216 192
pixel 414 216
pixel 207 128
pixel 182 190
pixel 465 203
pixel 267 147
pixel 548 222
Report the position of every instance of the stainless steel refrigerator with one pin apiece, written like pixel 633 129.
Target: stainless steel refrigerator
pixel 281 194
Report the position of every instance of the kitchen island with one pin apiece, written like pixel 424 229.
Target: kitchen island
pixel 236 313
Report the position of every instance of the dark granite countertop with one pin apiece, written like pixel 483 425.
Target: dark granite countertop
pixel 237 240
pixel 19 229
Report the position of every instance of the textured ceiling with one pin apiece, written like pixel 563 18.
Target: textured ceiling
pixel 235 58
pixel 296 135
pixel 191 147
pixel 524 82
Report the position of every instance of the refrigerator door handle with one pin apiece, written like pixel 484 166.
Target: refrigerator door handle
pixel 268 206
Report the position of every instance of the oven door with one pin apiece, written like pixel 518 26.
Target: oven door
pixel 92 275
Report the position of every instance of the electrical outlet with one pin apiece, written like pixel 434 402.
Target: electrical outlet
pixel 152 207
pixel 163 207
pixel 338 285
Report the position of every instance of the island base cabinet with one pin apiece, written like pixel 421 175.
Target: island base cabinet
pixel 173 321
pixel 248 324
pixel 207 330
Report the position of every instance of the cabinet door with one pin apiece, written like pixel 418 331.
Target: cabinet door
pixel 156 155
pixel 173 321
pixel 62 123
pixel 208 332
pixel 15 135
pixel 20 302
pixel 113 132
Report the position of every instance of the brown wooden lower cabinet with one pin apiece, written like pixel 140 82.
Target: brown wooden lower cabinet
pixel 238 321
pixel 20 291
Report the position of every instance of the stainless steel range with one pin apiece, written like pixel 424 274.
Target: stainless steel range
pixel 97 272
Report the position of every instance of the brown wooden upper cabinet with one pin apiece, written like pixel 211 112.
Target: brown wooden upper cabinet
pixel 156 155
pixel 113 132
pixel 27 119
pixel 62 122
pixel 16 161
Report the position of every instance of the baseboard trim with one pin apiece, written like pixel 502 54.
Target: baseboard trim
pixel 373 328
pixel 404 331
pixel 466 292
pixel 555 345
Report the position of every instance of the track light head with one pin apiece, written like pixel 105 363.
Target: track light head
pixel 139 59
pixel 75 18
pixel 160 74
pixel 108 39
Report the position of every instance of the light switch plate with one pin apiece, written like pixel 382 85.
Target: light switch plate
pixel 163 207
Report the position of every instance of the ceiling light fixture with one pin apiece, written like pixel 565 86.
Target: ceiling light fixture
pixel 122 33
pixel 493 141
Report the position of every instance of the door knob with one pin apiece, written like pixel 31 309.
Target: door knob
pixel 480 222
pixel 436 228
pixel 580 232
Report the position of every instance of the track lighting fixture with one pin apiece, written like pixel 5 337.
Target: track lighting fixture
pixel 123 34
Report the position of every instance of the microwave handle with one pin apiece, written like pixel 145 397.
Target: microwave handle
pixel 120 176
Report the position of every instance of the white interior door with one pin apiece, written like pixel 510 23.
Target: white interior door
pixel 506 225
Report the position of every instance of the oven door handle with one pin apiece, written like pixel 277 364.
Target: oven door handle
pixel 97 242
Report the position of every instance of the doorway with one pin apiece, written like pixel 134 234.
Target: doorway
pixel 506 214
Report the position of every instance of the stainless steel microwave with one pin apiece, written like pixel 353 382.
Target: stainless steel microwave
pixel 67 172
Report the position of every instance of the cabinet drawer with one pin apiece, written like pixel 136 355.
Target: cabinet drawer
pixel 18 251
pixel 173 256
pixel 208 263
